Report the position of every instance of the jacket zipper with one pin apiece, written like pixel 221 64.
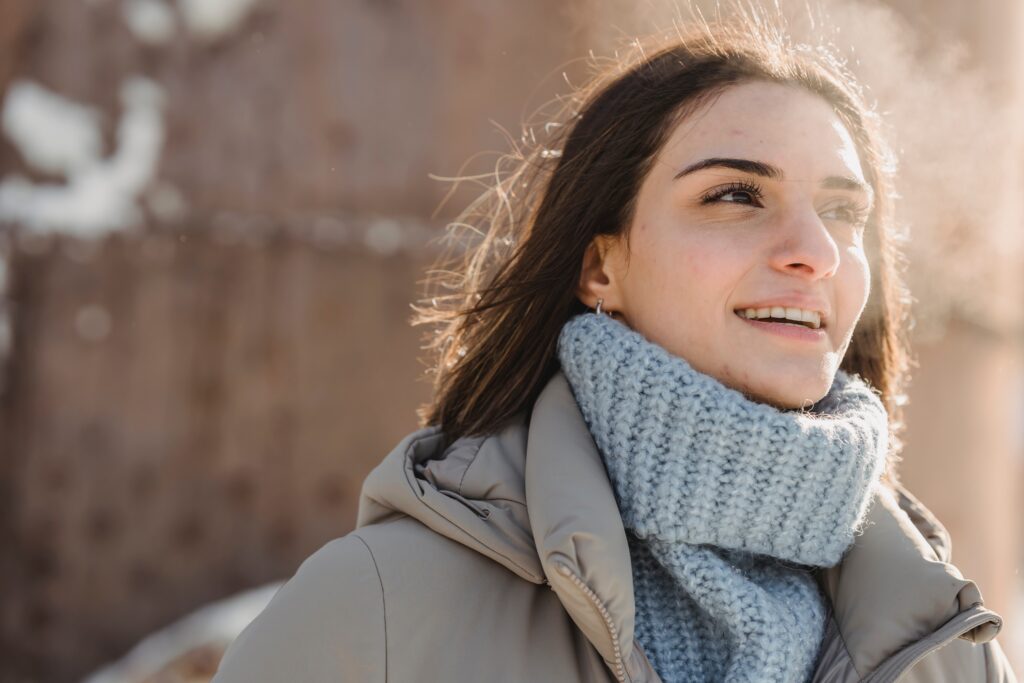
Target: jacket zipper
pixel 620 669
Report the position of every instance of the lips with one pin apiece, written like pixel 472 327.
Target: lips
pixel 798 316
pixel 793 306
pixel 788 330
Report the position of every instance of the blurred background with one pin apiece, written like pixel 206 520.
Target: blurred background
pixel 214 215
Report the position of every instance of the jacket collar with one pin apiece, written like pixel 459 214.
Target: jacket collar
pixel 535 498
pixel 896 586
pixel 577 526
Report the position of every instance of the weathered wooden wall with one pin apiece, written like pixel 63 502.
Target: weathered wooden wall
pixel 191 407
pixel 309 107
pixel 186 418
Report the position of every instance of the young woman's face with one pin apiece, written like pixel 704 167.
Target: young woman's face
pixel 755 205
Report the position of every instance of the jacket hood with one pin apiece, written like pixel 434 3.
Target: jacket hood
pixel 471 492
pixel 535 497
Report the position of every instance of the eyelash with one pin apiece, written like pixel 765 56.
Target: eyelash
pixel 738 186
pixel 856 213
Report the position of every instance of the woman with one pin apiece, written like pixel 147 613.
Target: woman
pixel 663 439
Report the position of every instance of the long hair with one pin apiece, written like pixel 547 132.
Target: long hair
pixel 496 307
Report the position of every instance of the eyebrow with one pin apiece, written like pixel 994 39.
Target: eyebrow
pixel 766 170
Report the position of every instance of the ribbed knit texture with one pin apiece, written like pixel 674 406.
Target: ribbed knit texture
pixel 728 503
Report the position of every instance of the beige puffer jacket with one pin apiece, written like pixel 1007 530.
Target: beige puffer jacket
pixel 504 558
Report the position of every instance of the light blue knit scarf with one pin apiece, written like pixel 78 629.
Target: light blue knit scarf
pixel 728 503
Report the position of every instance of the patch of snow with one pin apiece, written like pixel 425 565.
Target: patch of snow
pixel 100 195
pixel 52 133
pixel 213 19
pixel 166 202
pixel 384 236
pixel 151 21
pixel 93 322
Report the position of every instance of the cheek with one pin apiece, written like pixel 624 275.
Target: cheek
pixel 863 276
pixel 855 286
pixel 676 269
pixel 681 274
pixel 680 288
pixel 714 267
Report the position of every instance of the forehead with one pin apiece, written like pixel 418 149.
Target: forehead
pixel 786 126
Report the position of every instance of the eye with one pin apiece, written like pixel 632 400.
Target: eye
pixel 853 213
pixel 740 192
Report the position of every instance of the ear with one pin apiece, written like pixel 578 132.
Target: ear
pixel 599 275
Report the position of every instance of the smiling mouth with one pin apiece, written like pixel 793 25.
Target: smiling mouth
pixel 788 316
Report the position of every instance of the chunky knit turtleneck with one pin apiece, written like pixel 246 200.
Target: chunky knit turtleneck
pixel 728 503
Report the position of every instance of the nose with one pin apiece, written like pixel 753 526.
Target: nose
pixel 805 246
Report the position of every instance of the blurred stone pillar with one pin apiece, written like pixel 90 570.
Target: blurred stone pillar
pixel 963 455
pixel 965 451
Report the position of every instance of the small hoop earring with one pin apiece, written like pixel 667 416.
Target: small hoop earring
pixel 600 302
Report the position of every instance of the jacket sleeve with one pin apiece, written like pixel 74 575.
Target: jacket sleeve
pixel 961 661
pixel 324 625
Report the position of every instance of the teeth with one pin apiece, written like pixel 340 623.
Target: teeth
pixel 811 318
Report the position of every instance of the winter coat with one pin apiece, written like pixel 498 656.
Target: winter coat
pixel 504 558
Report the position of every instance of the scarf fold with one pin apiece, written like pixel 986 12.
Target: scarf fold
pixel 729 503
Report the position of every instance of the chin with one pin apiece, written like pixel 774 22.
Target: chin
pixel 792 398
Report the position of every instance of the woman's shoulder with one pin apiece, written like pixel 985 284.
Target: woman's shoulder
pixel 314 607
pixel 401 543
pixel 376 586
pixel 340 599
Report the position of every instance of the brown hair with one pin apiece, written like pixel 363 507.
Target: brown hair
pixel 495 314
